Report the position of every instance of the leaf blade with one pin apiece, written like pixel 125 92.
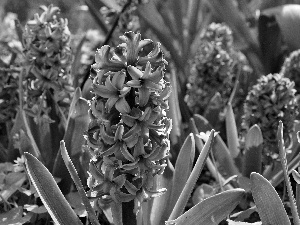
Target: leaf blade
pixel 211 210
pixel 51 196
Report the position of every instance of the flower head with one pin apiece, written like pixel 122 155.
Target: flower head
pixel 291 68
pixel 128 124
pixel 214 68
pixel 272 99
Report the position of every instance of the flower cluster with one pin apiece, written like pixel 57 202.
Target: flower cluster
pixel 214 68
pixel 291 68
pixel 48 55
pixel 272 99
pixel 10 58
pixel 129 129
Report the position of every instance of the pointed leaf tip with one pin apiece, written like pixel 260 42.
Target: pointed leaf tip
pixel 49 192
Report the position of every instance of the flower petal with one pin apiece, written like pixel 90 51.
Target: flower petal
pixel 126 153
pixel 139 148
pixel 103 91
pixel 110 103
pixel 134 83
pixel 134 72
pixel 111 150
pixel 119 79
pixel 122 106
pixel 144 95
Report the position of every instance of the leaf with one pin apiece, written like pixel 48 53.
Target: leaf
pixel 149 13
pixel 268 202
pixel 187 190
pixel 253 151
pixel 76 179
pixel 160 206
pixel 230 222
pixel 211 210
pixel 96 15
pixel 52 198
pixel 113 4
pixel 202 192
pixel 296 176
pixel 77 124
pixel 241 216
pixel 183 167
pixel 288 18
pixel 13 181
pixel 14 216
pixel 231 132
pixel 283 160
pixel 35 208
pixel 220 150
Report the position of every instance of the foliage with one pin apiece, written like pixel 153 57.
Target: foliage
pixel 164 114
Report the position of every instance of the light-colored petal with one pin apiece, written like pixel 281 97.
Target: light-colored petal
pixel 111 102
pixel 103 91
pixel 134 83
pixel 122 106
pixel 139 148
pixel 144 95
pixel 134 72
pixel 119 79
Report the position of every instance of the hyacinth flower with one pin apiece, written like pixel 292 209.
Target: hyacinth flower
pixel 291 68
pixel 214 68
pixel 48 58
pixel 272 99
pixel 129 130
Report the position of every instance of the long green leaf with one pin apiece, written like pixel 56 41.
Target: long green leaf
pixel 149 13
pixel 282 154
pixel 55 202
pixel 211 210
pixel 187 190
pixel 268 202
pixel 231 132
pixel 183 167
pixel 253 151
pixel 160 205
pixel 220 150
pixel 80 189
pixel 77 124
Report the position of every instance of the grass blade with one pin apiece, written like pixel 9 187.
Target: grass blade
pixel 56 204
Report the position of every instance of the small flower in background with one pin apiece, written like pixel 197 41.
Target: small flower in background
pixel 291 68
pixel 129 129
pixel 272 99
pixel 49 57
pixel 220 34
pixel 214 68
pixel 10 59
